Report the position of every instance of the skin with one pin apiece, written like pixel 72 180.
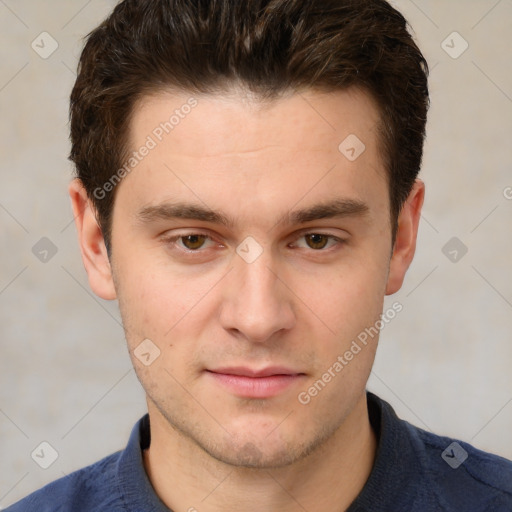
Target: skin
pixel 299 304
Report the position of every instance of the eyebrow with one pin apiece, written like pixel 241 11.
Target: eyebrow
pixel 337 208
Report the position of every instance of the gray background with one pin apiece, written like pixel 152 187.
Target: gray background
pixel 443 362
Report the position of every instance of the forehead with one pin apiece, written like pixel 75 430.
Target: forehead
pixel 237 152
pixel 235 120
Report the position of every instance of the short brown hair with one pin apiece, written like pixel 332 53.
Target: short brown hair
pixel 270 47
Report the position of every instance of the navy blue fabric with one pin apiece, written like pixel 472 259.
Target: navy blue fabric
pixel 409 474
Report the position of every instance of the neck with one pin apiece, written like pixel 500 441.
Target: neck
pixel 187 478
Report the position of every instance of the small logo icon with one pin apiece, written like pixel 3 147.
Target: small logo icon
pixel 44 455
pixel 249 250
pixel 44 250
pixel 454 45
pixel 44 45
pixel 454 455
pixel 352 147
pixel 147 352
pixel 454 249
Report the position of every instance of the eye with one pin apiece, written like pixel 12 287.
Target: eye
pixel 319 241
pixel 195 242
pixel 189 242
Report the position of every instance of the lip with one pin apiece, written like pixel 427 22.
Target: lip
pixel 245 371
pixel 250 383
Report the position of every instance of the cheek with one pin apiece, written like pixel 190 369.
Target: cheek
pixel 159 302
pixel 346 299
pixel 145 301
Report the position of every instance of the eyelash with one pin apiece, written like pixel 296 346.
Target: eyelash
pixel 174 239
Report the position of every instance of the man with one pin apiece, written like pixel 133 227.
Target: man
pixel 247 190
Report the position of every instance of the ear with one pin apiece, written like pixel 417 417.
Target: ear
pixel 91 242
pixel 405 242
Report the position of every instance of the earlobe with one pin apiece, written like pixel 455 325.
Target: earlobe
pixel 91 242
pixel 405 242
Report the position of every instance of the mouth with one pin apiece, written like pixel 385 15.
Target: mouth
pixel 246 382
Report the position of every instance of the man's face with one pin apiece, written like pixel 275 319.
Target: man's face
pixel 265 292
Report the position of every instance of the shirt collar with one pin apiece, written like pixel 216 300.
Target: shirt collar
pixel 398 466
pixel 134 485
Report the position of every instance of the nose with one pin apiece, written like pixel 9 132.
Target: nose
pixel 257 303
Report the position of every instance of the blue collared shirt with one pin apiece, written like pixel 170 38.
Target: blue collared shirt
pixel 414 470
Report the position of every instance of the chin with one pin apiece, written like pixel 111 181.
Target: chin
pixel 262 448
pixel 254 456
